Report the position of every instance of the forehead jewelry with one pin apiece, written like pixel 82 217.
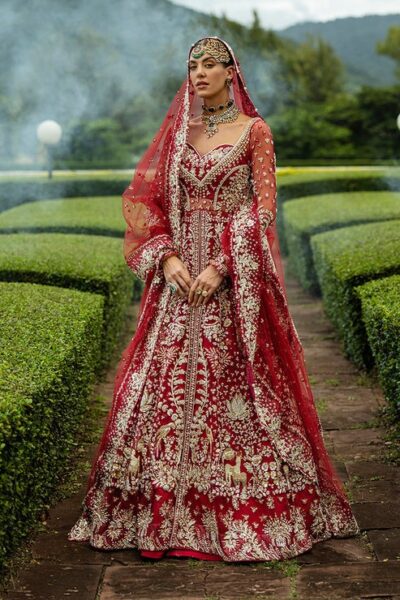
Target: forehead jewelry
pixel 213 47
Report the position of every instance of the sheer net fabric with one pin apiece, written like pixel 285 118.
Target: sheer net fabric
pixel 148 236
pixel 263 174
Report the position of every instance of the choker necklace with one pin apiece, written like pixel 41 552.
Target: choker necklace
pixel 230 114
pixel 212 109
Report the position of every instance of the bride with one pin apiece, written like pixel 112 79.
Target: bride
pixel 213 448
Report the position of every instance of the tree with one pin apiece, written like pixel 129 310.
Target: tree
pixel 93 141
pixel 391 46
pixel 304 133
pixel 312 72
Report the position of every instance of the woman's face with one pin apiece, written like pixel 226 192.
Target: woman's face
pixel 209 71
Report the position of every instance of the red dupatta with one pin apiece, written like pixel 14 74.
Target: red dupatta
pixel 152 211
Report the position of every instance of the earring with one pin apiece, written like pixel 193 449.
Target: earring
pixel 228 82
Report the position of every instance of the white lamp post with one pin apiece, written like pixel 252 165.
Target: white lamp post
pixel 398 121
pixel 49 132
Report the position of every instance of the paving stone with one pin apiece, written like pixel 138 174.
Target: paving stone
pixel 64 514
pixel 377 515
pixel 358 443
pixel 372 481
pixel 46 581
pixel 335 550
pixel 333 380
pixel 107 389
pixel 175 581
pixel 374 491
pixel 386 543
pixel 351 582
pixel 246 583
pixel 368 469
pixel 323 347
pixel 313 310
pixel 153 581
pixel 309 319
pixel 299 300
pixel 305 330
pixel 347 395
pixel 348 412
pixel 328 360
pixel 54 547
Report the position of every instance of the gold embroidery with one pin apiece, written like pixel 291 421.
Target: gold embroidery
pixel 234 472
pixel 206 465
pixel 198 174
pixel 190 387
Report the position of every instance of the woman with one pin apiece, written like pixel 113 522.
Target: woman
pixel 213 448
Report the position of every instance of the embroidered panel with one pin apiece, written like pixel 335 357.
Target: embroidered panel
pixel 199 458
pixel 218 180
pixel 194 464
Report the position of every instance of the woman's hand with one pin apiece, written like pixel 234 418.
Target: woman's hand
pixel 209 279
pixel 175 271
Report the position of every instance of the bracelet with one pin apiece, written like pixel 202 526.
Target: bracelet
pixel 266 216
pixel 168 254
pixel 219 264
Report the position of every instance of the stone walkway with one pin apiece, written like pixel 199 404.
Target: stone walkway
pixel 366 567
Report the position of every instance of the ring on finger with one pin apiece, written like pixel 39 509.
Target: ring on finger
pixel 202 292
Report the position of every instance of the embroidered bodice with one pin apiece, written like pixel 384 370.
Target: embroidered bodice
pixel 230 175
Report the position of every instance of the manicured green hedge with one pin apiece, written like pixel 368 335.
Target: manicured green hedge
pixel 348 176
pixel 50 346
pixel 305 217
pixel 13 193
pixel 348 257
pixel 98 215
pixel 380 302
pixel 299 185
pixel 86 262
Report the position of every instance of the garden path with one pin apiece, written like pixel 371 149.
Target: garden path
pixel 366 567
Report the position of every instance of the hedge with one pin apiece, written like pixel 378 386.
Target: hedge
pixel 380 301
pixel 22 190
pixel 305 217
pixel 85 262
pixel 291 187
pixel 348 257
pixel 101 215
pixel 50 346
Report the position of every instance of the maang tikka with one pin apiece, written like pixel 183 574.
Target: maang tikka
pixel 217 50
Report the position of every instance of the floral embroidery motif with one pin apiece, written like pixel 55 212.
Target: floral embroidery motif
pixel 149 255
pixel 199 458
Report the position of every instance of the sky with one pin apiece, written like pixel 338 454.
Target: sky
pixel 277 14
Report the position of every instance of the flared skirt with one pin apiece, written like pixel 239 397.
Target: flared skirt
pixel 193 471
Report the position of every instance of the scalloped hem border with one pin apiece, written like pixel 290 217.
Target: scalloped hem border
pixel 189 553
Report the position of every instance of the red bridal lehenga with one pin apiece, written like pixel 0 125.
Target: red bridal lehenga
pixel 213 448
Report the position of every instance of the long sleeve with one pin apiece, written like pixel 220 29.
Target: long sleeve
pixel 147 238
pixel 263 171
pixel 263 183
pixel 151 255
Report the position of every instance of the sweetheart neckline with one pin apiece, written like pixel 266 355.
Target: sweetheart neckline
pixel 209 152
pixel 245 128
